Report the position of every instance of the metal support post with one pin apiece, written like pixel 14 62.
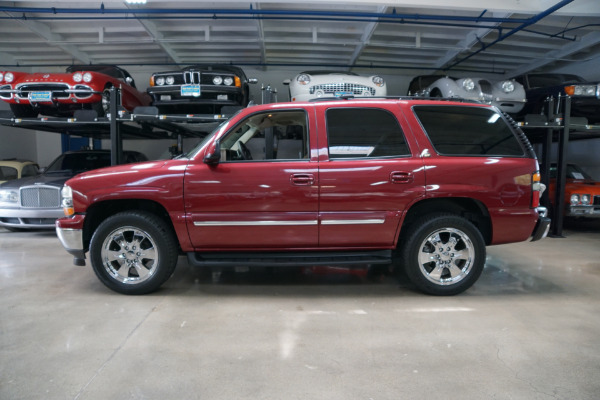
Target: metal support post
pixel 561 171
pixel 116 143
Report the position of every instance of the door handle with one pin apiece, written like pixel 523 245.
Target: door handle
pixel 303 179
pixel 401 177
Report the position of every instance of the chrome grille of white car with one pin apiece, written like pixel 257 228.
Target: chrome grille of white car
pixel 332 88
pixel 40 197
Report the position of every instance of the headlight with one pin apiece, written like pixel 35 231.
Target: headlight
pixel 9 196
pixel 160 80
pixel 217 80
pixel 508 86
pixel 9 77
pixel 574 199
pixel 585 90
pixel 303 79
pixel 377 80
pixel 170 80
pixel 67 201
pixel 87 77
pixel 1 76
pixel 228 81
pixel 585 199
pixel 468 84
pixel 77 77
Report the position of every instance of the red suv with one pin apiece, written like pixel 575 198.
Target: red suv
pixel 422 184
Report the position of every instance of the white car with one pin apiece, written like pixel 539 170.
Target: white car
pixel 317 84
pixel 508 95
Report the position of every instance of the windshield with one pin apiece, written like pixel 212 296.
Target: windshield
pixel 79 162
pixel 206 139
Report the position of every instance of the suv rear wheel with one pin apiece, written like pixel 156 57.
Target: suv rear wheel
pixel 133 252
pixel 443 254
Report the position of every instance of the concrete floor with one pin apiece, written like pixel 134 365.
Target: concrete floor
pixel 528 329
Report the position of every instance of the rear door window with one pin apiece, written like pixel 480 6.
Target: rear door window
pixel 468 131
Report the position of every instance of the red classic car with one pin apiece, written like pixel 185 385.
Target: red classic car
pixel 582 193
pixel 60 94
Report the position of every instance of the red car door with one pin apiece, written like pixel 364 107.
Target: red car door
pixel 369 172
pixel 263 192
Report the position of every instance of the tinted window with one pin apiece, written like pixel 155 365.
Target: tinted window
pixel 471 131
pixel 79 162
pixel 364 132
pixel 29 170
pixel 278 135
pixel 8 173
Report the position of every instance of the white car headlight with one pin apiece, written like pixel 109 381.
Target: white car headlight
pixel 9 77
pixel 303 79
pixel 378 81
pixel 228 81
pixel 217 80
pixel 508 86
pixel 9 196
pixel 87 77
pixel 77 77
pixel 468 84
pixel 1 76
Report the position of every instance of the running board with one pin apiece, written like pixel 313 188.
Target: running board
pixel 289 259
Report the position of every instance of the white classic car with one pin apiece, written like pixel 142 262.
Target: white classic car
pixel 508 95
pixel 316 84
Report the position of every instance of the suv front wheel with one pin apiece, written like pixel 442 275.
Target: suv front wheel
pixel 443 254
pixel 133 252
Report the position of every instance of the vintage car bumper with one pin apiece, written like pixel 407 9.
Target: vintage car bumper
pixel 509 105
pixel 70 235
pixel 542 226
pixel 29 218
pixel 221 95
pixel 591 211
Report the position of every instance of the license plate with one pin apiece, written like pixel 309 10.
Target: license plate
pixel 40 96
pixel 340 94
pixel 190 90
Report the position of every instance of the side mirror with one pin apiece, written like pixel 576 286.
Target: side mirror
pixel 213 156
pixel 252 80
pixel 287 81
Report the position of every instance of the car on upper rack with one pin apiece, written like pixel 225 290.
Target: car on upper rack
pixel 508 95
pixel 582 192
pixel 61 94
pixel 311 85
pixel 16 169
pixel 200 89
pixel 34 202
pixel 585 96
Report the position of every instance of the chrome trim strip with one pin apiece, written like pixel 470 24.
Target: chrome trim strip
pixel 353 221
pixel 71 239
pixel 254 223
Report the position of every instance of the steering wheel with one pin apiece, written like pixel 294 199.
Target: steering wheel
pixel 245 152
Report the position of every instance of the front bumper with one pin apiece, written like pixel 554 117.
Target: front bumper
pixel 217 95
pixel 29 218
pixel 542 226
pixel 591 211
pixel 71 237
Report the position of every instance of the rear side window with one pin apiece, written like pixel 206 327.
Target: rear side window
pixel 364 132
pixel 468 131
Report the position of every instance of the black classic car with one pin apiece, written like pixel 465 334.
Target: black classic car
pixel 200 89
pixel 35 202
pixel 585 96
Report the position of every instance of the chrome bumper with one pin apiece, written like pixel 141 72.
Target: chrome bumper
pixel 543 225
pixel 72 241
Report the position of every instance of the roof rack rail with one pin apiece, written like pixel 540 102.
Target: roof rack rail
pixel 350 97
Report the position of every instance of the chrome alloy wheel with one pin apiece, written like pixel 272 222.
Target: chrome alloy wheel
pixel 129 255
pixel 446 256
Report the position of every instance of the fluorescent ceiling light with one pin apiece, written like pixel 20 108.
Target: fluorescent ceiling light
pixel 135 1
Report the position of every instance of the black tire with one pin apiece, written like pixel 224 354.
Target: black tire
pixel 103 107
pixel 133 252
pixel 23 111
pixel 442 254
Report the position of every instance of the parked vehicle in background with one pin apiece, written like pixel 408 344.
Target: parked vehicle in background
pixel 582 193
pixel 16 169
pixel 585 96
pixel 200 89
pixel 310 85
pixel 508 95
pixel 424 184
pixel 34 202
pixel 61 94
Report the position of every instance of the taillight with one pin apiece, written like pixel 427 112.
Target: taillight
pixel 536 187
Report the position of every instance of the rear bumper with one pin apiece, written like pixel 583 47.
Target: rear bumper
pixel 542 226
